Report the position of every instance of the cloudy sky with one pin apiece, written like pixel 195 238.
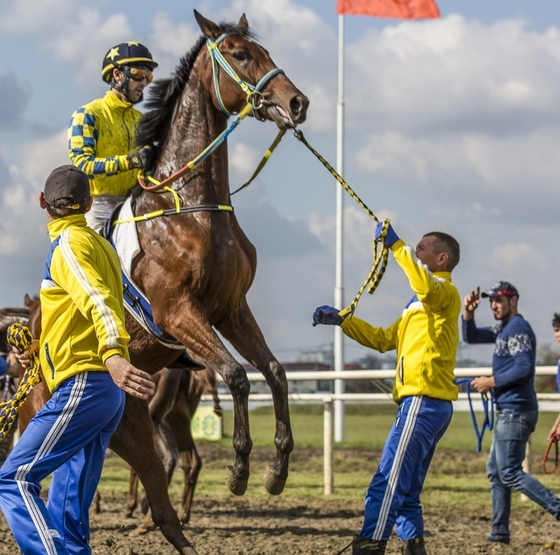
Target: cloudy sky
pixel 451 124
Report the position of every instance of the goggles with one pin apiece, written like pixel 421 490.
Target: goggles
pixel 138 73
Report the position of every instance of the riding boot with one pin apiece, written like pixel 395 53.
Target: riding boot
pixel 367 546
pixel 416 546
pixel 185 361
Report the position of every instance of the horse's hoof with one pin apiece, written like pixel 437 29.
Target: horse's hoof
pixel 184 517
pixel 190 551
pixel 273 483
pixel 141 530
pixel 236 484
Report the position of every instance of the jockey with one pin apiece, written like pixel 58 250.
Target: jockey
pixel 102 138
pixel 101 134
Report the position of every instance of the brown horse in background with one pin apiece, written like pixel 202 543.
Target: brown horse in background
pixel 196 267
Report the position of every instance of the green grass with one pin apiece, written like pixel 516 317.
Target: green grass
pixel 456 479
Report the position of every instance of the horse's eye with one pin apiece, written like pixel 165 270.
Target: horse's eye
pixel 239 55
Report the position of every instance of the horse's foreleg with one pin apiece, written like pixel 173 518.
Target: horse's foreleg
pixel 245 335
pixel 193 330
pixel 133 441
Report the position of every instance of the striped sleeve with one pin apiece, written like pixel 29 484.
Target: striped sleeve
pixel 380 339
pixel 83 135
pixel 82 278
pixel 433 292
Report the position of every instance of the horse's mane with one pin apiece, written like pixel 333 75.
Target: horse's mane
pixel 165 93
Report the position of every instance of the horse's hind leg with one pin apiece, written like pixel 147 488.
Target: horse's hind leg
pixel 189 460
pixel 132 500
pixel 133 441
pixel 245 335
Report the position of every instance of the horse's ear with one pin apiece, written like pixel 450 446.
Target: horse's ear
pixel 209 28
pixel 243 23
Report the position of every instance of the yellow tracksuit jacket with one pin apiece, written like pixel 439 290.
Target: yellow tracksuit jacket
pixel 100 136
pixel 426 336
pixel 81 302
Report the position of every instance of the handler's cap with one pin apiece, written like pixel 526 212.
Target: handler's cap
pixel 67 182
pixel 502 288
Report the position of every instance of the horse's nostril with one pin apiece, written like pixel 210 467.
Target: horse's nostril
pixel 296 105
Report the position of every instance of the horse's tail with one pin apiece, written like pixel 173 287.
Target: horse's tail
pixel 20 337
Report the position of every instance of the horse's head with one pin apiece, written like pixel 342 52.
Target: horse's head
pixel 242 71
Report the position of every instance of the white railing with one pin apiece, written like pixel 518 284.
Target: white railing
pixel 547 401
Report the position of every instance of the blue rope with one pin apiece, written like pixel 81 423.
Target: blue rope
pixel 487 408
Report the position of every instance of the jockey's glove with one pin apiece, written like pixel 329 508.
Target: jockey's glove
pixel 390 238
pixel 141 158
pixel 327 315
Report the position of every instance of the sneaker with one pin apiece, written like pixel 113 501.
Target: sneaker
pixel 495 537
pixel 416 546
pixel 367 546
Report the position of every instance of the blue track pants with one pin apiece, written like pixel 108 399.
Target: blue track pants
pixel 68 436
pixel 393 497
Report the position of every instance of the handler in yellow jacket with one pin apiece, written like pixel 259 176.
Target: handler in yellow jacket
pixel 426 337
pixel 84 358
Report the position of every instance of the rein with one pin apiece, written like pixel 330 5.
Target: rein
pixel 379 260
pixel 20 337
pixel 553 441
pixel 189 166
pixel 488 411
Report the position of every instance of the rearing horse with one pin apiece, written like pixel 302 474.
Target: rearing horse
pixel 196 267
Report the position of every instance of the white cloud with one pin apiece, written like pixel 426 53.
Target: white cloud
pixel 506 175
pixel 27 17
pixel 440 72
pixel 243 158
pixel 513 259
pixel 22 219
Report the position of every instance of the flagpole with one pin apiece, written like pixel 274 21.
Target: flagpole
pixel 339 385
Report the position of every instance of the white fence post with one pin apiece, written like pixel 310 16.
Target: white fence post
pixel 328 456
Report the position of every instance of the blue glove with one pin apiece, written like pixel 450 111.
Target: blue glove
pixel 327 315
pixel 390 239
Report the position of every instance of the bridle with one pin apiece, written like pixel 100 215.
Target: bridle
pixel 255 101
pixel 253 92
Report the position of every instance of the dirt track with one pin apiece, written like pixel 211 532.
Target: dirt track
pixel 315 526
pixel 291 527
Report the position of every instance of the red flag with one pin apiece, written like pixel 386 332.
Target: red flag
pixel 396 9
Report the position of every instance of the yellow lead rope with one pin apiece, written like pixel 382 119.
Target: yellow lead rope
pixel 379 260
pixel 20 337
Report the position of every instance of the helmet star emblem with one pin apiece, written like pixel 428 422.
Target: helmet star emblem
pixel 133 43
pixel 113 53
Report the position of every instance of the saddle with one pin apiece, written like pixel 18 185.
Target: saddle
pixel 125 241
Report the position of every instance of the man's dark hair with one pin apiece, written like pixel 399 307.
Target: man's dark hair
pixel 64 208
pixel 445 243
pixel 556 321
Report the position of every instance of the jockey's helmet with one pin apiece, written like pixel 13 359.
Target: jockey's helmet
pixel 129 53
